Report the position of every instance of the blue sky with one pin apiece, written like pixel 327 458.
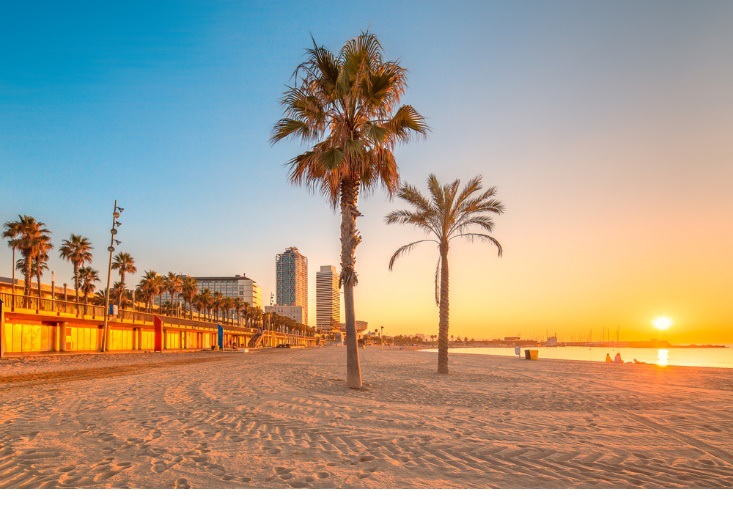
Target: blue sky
pixel 594 119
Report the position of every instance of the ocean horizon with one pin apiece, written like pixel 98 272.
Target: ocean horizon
pixel 700 357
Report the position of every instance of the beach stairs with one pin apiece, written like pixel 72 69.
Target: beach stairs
pixel 256 340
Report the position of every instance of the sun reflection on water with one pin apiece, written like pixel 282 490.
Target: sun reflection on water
pixel 662 357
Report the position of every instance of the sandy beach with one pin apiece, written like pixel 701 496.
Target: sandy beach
pixel 284 419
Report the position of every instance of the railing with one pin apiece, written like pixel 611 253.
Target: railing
pixel 20 302
pixel 15 302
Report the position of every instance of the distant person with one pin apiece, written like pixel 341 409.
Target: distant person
pixel 618 358
pixel 608 358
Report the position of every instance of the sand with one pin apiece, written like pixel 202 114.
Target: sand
pixel 284 419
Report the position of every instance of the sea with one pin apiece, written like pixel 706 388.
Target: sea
pixel 711 357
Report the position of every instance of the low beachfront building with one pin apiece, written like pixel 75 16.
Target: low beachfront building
pixel 237 286
pixel 294 312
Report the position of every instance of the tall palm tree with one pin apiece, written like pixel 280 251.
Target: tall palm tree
pixel 123 263
pixel 444 216
pixel 88 278
pixel 30 237
pixel 173 284
pixel 189 288
pixel 346 107
pixel 76 250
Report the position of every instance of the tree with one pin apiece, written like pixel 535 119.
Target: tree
pixel 204 299
pixel 444 216
pixel 173 284
pixel 77 251
pixel 345 107
pixel 88 278
pixel 31 238
pixel 216 304
pixel 123 263
pixel 189 288
pixel 149 287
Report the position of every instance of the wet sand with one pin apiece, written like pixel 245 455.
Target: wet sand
pixel 284 419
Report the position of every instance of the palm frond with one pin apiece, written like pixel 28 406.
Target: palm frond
pixel 482 237
pixel 405 249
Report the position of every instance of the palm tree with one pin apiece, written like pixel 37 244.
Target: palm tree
pixel 118 291
pixel 30 237
pixel 124 263
pixel 237 306
pixel 444 216
pixel 76 250
pixel 173 284
pixel 204 299
pixel 227 304
pixel 189 288
pixel 88 277
pixel 346 107
pixel 216 303
pixel 149 287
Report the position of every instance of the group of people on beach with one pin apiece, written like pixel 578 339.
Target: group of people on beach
pixel 619 360
pixel 616 359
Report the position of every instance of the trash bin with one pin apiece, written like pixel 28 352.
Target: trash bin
pixel 526 354
pixel 533 355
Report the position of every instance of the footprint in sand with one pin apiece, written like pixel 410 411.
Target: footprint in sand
pixel 181 484
pixel 367 458
pixel 323 474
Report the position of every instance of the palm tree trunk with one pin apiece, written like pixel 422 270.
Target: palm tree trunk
pixel 28 273
pixel 350 238
pixel 443 312
pixel 122 286
pixel 76 283
pixel 38 279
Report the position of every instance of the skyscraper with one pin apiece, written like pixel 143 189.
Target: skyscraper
pixel 292 280
pixel 328 301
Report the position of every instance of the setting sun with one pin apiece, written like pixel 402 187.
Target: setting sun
pixel 662 323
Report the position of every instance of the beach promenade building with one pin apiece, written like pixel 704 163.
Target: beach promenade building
pixel 291 275
pixel 328 300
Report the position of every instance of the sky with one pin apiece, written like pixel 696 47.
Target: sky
pixel 606 127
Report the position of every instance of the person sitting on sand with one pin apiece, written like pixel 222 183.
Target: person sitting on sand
pixel 608 358
pixel 618 358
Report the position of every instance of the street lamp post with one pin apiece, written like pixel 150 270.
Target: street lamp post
pixel 12 298
pixel 115 223
pixel 53 289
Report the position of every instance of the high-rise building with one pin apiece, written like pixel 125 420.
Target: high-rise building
pixel 292 280
pixel 328 301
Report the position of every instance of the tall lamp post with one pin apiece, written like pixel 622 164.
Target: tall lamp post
pixel 12 269
pixel 111 248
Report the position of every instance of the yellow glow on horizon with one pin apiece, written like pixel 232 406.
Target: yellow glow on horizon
pixel 662 323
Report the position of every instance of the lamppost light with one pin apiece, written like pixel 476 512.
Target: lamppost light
pixel 117 223
pixel 111 248
pixel 117 242
pixel 113 231
pixel 121 209
pixel 115 215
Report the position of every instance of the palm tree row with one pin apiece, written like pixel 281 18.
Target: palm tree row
pixel 345 108
pixel 33 240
